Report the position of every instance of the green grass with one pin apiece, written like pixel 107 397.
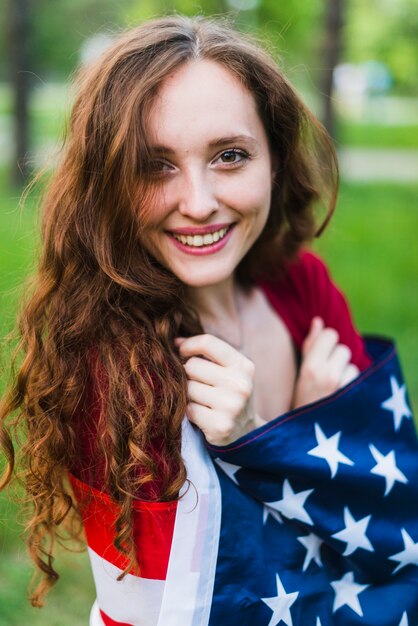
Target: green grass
pixel 371 249
pixel 69 602
pixel 359 135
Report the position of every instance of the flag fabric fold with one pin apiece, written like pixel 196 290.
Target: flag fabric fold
pixel 310 520
pixel 333 490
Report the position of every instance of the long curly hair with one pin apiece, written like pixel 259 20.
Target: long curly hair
pixel 101 312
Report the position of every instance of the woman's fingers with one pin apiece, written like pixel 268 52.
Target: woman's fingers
pixel 317 324
pixel 219 388
pixel 216 427
pixel 350 373
pixel 204 371
pixel 321 347
pixel 325 365
pixel 338 361
pixel 203 394
pixel 212 348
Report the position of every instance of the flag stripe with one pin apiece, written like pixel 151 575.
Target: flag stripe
pixel 153 526
pixel 134 600
pixel 108 621
pixel 191 572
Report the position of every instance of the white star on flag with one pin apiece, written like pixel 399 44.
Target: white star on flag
pixel 292 504
pixel 275 514
pixel 386 467
pixel 408 556
pixel 327 449
pixel 229 468
pixel 347 592
pixel 280 605
pixel 354 533
pixel 313 544
pixel 397 403
pixel 404 621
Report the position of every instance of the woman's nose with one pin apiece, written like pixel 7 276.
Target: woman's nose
pixel 197 196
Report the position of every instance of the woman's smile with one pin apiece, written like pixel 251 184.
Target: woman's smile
pixel 205 240
pixel 212 174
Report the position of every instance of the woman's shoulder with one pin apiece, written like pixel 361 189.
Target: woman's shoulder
pixel 298 290
pixel 305 273
pixel 304 289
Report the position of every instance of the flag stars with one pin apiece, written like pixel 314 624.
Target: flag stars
pixel 347 592
pixel 408 556
pixel 397 403
pixel 404 621
pixel 229 468
pixel 313 544
pixel 274 514
pixel 280 605
pixel 292 504
pixel 354 533
pixel 387 468
pixel 327 449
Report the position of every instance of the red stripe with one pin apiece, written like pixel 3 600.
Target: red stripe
pixel 153 526
pixel 108 621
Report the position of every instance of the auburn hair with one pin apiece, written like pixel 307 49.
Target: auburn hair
pixel 101 311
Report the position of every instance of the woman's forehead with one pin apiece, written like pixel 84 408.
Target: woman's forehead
pixel 202 99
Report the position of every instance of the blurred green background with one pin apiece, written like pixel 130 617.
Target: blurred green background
pixel 355 64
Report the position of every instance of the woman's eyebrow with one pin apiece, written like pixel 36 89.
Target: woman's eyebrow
pixel 214 143
pixel 233 139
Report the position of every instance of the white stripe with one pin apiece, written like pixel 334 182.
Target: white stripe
pixel 95 617
pixel 188 592
pixel 133 600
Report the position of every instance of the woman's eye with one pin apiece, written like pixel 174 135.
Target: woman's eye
pixel 231 157
pixel 159 167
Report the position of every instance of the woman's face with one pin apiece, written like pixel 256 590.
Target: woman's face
pixel 212 171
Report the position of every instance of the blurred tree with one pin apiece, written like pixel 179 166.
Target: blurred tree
pixel 59 33
pixel 331 57
pixel 18 42
pixel 386 31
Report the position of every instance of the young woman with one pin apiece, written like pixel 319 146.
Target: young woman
pixel 175 312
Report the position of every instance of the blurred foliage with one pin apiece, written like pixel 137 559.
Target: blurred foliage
pixel 386 30
pixel 58 32
pixel 293 25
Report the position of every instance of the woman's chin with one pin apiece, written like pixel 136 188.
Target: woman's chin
pixel 199 280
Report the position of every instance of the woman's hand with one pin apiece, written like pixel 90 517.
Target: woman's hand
pixel 325 365
pixel 220 388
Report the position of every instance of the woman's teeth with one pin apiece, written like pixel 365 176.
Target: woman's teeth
pixel 197 241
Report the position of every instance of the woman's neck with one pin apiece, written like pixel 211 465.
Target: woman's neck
pixel 219 311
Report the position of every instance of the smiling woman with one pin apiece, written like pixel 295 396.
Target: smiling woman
pixel 183 355
pixel 215 175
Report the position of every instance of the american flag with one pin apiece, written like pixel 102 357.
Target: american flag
pixel 310 520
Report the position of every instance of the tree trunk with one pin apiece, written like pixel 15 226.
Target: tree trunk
pixel 18 23
pixel 332 52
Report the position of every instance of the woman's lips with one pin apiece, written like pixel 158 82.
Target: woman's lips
pixel 199 250
pixel 199 230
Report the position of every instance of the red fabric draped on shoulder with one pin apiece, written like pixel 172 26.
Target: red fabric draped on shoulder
pixel 306 290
